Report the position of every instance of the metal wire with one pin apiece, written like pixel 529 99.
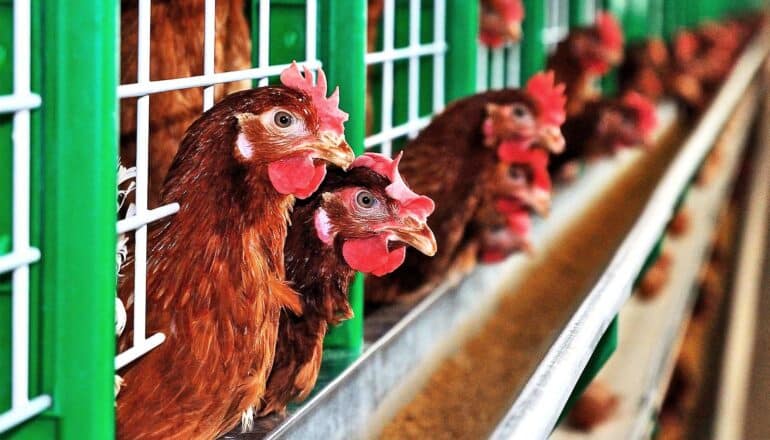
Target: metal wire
pixel 20 102
pixel 412 53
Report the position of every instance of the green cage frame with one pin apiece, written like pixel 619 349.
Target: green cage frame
pixel 74 149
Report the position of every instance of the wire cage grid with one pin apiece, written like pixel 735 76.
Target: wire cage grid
pixel 20 103
pixel 81 346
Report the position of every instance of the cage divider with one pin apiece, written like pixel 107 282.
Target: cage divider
pixel 80 138
pixel 533 48
pixel 342 46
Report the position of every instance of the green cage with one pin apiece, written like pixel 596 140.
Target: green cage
pixel 59 101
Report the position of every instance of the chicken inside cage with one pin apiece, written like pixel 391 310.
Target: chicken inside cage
pixel 361 219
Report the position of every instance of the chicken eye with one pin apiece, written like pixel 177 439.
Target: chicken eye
pixel 518 173
pixel 520 112
pixel 283 119
pixel 365 199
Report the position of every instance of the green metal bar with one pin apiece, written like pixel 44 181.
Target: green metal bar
pixel 79 117
pixel 618 9
pixel 671 12
pixel 636 20
pixel 533 50
pixel 342 46
pixel 604 350
pixel 462 25
pixel 6 189
pixel 579 13
pixel 655 18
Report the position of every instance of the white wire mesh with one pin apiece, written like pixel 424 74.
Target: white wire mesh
pixel 497 68
pixel 143 89
pixel 390 55
pixel 17 262
pixel 557 22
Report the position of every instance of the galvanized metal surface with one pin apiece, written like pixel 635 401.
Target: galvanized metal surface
pixel 650 331
pixel 536 410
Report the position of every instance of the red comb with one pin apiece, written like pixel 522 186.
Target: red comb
pixel 510 10
pixel 535 158
pixel 329 113
pixel 549 98
pixel 609 30
pixel 646 113
pixel 685 45
pixel 418 206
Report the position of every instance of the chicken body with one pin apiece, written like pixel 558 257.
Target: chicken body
pixel 602 128
pixel 584 56
pixel 450 163
pixel 645 68
pixel 215 270
pixel 176 51
pixel 320 268
pixel 500 22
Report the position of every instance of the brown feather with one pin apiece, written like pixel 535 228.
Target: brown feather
pixel 219 308
pixel 176 51
pixel 449 163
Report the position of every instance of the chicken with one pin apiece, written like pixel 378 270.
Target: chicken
pixel 656 278
pixel 360 220
pixel 584 56
pixel 602 128
pixel 595 406
pixel 522 185
pixel 645 69
pixel 453 161
pixel 215 270
pixel 176 51
pixel 702 59
pixel 500 22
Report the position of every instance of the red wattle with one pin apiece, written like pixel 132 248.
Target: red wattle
pixel 371 255
pixel 492 256
pixel 491 40
pixel 511 150
pixel 520 223
pixel 296 175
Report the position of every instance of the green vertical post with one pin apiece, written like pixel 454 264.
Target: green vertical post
pixel 655 18
pixel 342 47
pixel 618 9
pixel 79 71
pixel 636 20
pixel 6 179
pixel 579 13
pixel 462 24
pixel 672 11
pixel 533 51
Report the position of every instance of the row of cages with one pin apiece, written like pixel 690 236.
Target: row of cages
pixel 81 81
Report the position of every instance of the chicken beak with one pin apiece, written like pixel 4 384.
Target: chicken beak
pixel 613 56
pixel 552 139
pixel 334 149
pixel 541 202
pixel 514 32
pixel 416 234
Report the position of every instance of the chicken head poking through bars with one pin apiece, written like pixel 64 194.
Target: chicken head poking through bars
pixel 362 220
pixel 215 270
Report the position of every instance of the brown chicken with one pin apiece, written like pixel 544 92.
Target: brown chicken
pixel 523 186
pixel 602 128
pixel 453 161
pixel 500 22
pixel 595 406
pixel 584 56
pixel 215 271
pixel 702 59
pixel 645 68
pixel 176 51
pixel 359 220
